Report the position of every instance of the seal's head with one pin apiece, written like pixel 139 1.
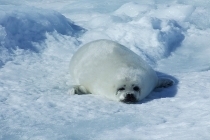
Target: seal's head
pixel 128 89
pixel 128 93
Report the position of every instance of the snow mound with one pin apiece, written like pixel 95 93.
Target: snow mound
pixel 176 12
pixel 133 9
pixel 139 29
pixel 26 28
pixel 23 27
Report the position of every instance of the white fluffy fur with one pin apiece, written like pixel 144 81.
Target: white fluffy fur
pixel 103 66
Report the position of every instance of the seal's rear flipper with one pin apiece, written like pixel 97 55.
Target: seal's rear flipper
pixel 164 82
pixel 78 89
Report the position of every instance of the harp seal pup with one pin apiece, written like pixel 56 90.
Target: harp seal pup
pixel 110 69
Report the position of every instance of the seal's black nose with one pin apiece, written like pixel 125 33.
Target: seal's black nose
pixel 129 98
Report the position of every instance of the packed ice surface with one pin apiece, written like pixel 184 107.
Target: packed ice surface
pixel 38 39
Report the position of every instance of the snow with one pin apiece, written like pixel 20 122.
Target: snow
pixel 38 39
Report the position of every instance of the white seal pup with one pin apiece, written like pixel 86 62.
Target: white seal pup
pixel 110 69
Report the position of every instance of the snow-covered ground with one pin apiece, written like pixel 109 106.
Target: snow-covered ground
pixel 38 39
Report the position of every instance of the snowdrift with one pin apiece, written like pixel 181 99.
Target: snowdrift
pixel 25 27
pixel 155 35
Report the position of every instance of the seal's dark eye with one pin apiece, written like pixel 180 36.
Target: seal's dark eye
pixel 136 88
pixel 121 89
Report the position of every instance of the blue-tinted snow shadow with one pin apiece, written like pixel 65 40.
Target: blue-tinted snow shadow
pixel 171 38
pixel 25 27
pixel 159 93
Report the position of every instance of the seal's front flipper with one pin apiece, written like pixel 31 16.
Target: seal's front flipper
pixel 78 89
pixel 164 82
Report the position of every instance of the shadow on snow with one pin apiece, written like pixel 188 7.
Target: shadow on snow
pixel 23 28
pixel 159 93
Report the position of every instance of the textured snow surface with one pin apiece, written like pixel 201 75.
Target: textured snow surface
pixel 38 39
